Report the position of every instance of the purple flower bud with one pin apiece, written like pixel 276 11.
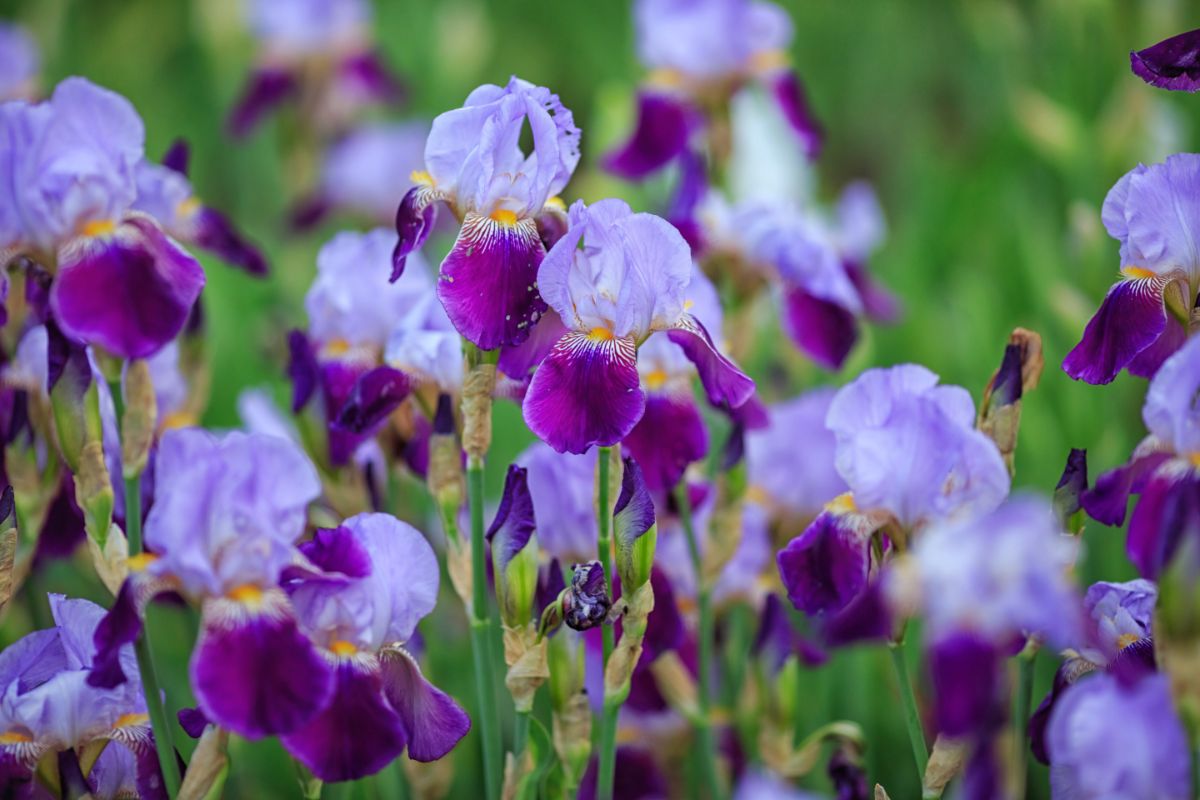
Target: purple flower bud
pixel 586 603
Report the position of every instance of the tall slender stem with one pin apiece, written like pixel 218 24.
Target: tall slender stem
pixel 607 759
pixel 480 629
pixel 708 752
pixel 520 732
pixel 1024 700
pixel 163 741
pixel 916 734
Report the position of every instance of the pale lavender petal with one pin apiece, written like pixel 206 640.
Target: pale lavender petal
pixel 1171 411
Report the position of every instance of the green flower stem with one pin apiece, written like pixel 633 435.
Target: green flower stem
pixel 916 734
pixel 704 734
pixel 520 732
pixel 607 758
pixel 163 741
pixel 1024 700
pixel 481 629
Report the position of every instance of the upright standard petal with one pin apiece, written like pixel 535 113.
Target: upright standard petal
pixel 253 671
pixel 357 733
pixel 586 392
pixel 433 722
pixel 488 282
pixel 660 135
pixel 1131 319
pixel 1172 64
pixel 129 291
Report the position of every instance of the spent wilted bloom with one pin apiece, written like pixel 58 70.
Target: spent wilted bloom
pixel 629 279
pixel 377 578
pixel 1154 213
pixel 69 178
pixel 47 705
pixel 1162 470
pixel 474 163
pixel 222 530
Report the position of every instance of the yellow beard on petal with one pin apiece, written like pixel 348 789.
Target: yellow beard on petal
pixel 99 227
pixel 503 216
pixel 1136 272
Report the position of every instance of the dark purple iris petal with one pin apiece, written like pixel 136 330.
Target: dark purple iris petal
pixel 193 721
pixel 550 584
pixel 488 282
pixel 254 672
pixel 414 220
pixel 967 675
pixel 1107 501
pixel 62 529
pixel 826 567
pixel 1040 718
pixel 633 515
pixel 664 627
pixel 338 380
pixel 310 211
pixel 585 393
pixel 177 156
pixel 432 721
pixel 129 292
pixel 866 618
pixel 376 394
pixel 825 331
pixel 302 368
pixel 356 734
pixel 663 127
pixel 266 89
pixel 1146 363
pixel 790 95
pixel 880 304
pixel 514 522
pixel 1068 494
pixel 215 233
pixel 724 383
pixel 1167 513
pixel 121 626
pixel 669 436
pixel 1131 319
pixel 338 550
pixel 366 74
pixel 636 776
pixel 692 186
pixel 16 777
pixel 1171 64
pixel 518 361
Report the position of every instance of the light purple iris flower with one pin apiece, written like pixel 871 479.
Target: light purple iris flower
pixel 318 50
pixel 47 704
pixel 19 63
pixel 165 193
pixel 1154 212
pixel 488 282
pixel 379 578
pixel 796 480
pixel 1162 469
pixel 671 433
pixel 366 172
pixel 562 488
pixel 982 584
pixel 1108 739
pixel 694 47
pixel 352 312
pixel 226 515
pixel 630 279
pixel 1172 64
pixel 68 173
pixel 424 345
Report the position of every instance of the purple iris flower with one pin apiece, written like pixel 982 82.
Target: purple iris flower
pixel 48 705
pixel 1172 64
pixel 908 445
pixel 816 261
pixel 693 49
pixel 629 280
pixel 227 512
pixel 795 481
pixel 474 162
pixel 562 486
pixel 19 63
pixel 165 193
pixel 982 583
pixel 1154 213
pixel 1111 739
pixel 379 578
pixel 425 346
pixel 69 178
pixel 318 51
pixel 1162 469
pixel 671 433
pixel 352 311
pixel 365 172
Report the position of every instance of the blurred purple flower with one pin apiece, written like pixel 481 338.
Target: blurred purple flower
pixel 20 63
pixel 1162 469
pixel 1109 739
pixel 1153 211
pixel 628 281
pixel 562 486
pixel 1173 63
pixel 474 161
pixel 795 480
pixel 378 578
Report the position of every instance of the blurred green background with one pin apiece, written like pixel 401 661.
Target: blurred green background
pixel 991 129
